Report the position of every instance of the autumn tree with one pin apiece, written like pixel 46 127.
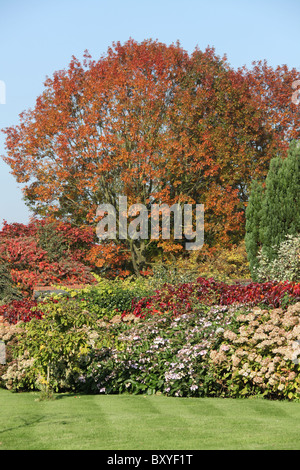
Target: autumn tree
pixel 273 88
pixel 154 124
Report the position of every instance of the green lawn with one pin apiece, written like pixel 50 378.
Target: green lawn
pixel 145 423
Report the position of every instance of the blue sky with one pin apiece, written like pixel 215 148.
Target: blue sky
pixel 38 37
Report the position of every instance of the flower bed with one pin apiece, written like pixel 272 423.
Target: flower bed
pixel 224 351
pixel 196 339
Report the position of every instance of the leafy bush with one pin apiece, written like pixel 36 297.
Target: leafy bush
pixel 45 253
pixel 225 264
pixel 109 297
pixel 202 338
pixel 228 351
pixel 53 346
pixel 225 351
pixel 286 265
pixel 161 354
pixel 222 264
pixel 106 299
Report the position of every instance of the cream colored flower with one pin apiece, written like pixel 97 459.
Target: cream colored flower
pixel 258 380
pixel 235 360
pixel 294 308
pixel 230 335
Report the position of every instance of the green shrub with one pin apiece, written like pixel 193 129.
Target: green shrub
pixel 216 352
pixel 225 264
pixel 286 265
pixel 273 209
pixel 280 214
pixel 222 350
pixel 179 271
pixel 110 297
pixel 253 219
pixel 51 350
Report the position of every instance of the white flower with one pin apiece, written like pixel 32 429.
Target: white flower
pixel 159 340
pixel 194 387
pixel 203 352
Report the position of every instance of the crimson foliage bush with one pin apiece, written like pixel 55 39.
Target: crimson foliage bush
pixel 45 253
pixel 20 310
pixel 183 298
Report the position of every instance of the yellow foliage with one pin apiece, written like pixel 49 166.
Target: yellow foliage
pixel 224 264
pixel 227 264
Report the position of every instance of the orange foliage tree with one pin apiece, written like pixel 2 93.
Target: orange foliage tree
pixel 158 125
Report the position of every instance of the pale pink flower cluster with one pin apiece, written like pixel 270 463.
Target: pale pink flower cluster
pixel 264 353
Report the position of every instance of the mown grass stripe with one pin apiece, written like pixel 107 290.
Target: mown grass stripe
pixel 124 422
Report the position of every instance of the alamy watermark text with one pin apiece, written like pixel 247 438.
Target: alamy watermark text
pixel 146 224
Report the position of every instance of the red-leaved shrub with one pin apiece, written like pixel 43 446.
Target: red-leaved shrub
pixel 20 310
pixel 44 253
pixel 181 299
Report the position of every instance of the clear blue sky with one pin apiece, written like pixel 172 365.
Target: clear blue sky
pixel 38 37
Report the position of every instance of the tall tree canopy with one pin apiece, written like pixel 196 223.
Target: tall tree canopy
pixel 158 125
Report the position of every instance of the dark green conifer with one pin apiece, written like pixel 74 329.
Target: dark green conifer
pixel 274 212
pixel 280 214
pixel 253 216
